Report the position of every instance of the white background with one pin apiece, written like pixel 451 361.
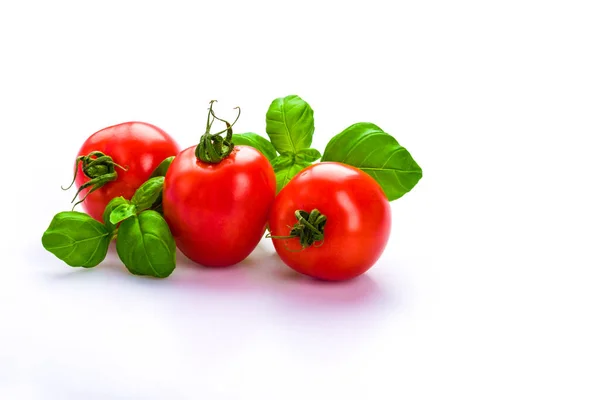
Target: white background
pixel 490 285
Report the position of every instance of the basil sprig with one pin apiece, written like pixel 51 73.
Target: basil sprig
pixel 290 125
pixel 144 241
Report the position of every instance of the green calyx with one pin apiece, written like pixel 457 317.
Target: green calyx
pixel 213 147
pixel 309 229
pixel 97 166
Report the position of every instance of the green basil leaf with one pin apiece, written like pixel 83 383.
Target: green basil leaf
pixel 258 142
pixel 288 165
pixel 290 124
pixel 146 246
pixel 77 239
pixel 122 212
pixel 114 203
pixel 367 147
pixel 308 155
pixel 285 174
pixel 283 161
pixel 148 193
pixel 162 168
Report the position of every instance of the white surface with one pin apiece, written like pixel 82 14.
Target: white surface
pixel 489 288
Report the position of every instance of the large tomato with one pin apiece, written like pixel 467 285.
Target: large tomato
pixel 218 212
pixel 137 147
pixel 331 222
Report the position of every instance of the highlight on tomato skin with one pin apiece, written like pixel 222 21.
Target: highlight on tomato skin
pixel 340 222
pixel 120 158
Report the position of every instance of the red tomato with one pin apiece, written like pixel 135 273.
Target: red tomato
pixel 138 147
pixel 357 227
pixel 218 212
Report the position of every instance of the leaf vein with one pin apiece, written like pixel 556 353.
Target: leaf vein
pixel 359 141
pixel 395 151
pixel 285 124
pixel 366 157
pixel 93 253
pixel 76 242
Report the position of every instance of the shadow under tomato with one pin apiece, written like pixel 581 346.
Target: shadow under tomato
pixel 196 277
pixel 261 274
pixel 320 317
pixel 300 290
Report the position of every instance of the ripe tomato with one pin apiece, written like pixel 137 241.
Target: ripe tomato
pixel 218 212
pixel 356 229
pixel 138 147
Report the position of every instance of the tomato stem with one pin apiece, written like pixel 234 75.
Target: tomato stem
pixel 309 229
pixel 213 148
pixel 97 166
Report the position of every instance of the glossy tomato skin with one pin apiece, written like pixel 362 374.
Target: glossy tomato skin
pixel 137 146
pixel 358 221
pixel 218 212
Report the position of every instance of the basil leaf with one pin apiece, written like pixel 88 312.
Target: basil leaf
pixel 113 204
pixel 77 239
pixel 283 161
pixel 146 246
pixel 288 165
pixel 122 212
pixel 290 124
pixel 367 147
pixel 258 142
pixel 308 155
pixel 284 174
pixel 162 168
pixel 147 194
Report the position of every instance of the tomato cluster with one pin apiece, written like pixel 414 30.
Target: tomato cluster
pixel 214 201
